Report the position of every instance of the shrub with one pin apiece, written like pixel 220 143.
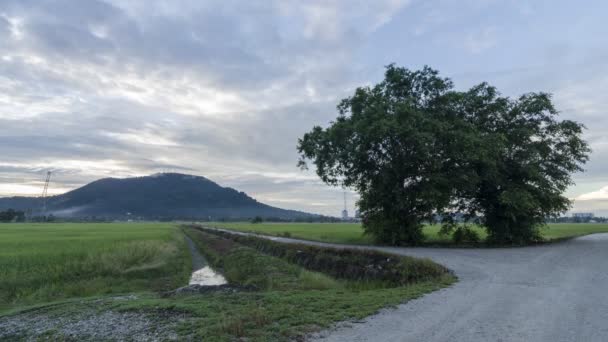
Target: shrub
pixel 465 234
pixel 461 233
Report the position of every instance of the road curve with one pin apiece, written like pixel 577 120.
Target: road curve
pixel 554 292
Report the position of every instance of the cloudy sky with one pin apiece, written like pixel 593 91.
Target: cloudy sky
pixel 223 89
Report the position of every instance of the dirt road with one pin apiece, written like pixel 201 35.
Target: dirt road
pixel 556 292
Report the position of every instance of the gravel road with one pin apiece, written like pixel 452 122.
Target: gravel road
pixel 554 292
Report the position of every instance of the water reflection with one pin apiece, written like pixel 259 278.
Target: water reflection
pixel 207 276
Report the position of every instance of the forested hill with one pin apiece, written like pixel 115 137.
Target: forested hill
pixel 165 195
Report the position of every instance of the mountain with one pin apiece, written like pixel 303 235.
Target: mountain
pixel 164 195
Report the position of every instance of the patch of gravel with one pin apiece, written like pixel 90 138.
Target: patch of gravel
pixel 108 325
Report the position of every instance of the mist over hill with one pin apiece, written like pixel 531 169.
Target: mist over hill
pixel 164 195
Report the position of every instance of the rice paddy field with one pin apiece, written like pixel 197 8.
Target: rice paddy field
pixel 352 233
pixel 47 262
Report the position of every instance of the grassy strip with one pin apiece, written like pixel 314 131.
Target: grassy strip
pixel 345 233
pixel 352 233
pixel 350 264
pixel 275 315
pixel 283 315
pixel 47 262
pixel 244 266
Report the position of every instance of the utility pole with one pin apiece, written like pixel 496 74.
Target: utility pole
pixel 44 193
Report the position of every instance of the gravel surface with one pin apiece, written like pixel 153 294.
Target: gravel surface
pixel 109 325
pixel 554 292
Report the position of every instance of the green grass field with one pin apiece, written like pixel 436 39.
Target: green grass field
pixel 46 262
pixel 53 276
pixel 352 233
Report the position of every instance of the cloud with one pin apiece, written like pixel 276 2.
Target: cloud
pixel 217 88
pixel 601 194
pixel 224 89
pixel 478 42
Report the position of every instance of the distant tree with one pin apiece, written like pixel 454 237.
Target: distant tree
pixel 50 218
pixel 414 149
pixel 257 219
pixel 12 215
pixel 20 216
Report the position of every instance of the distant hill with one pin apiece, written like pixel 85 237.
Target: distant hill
pixel 164 195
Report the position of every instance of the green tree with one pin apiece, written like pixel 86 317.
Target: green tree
pixel 402 147
pixel 530 158
pixel 413 148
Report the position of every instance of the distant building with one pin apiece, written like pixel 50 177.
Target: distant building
pixel 357 214
pixel 583 215
pixel 345 215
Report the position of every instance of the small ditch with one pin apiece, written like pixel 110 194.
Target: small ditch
pixel 202 273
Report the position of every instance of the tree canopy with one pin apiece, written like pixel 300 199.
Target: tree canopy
pixel 415 149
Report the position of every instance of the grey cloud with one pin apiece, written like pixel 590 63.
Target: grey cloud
pixel 4 28
pixel 208 42
pixel 222 42
pixel 268 137
pixel 224 88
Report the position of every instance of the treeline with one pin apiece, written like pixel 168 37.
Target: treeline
pixel 12 215
pixel 304 219
pixel 256 219
pixel 571 219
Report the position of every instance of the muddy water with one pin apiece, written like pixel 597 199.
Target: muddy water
pixel 207 276
pixel 202 274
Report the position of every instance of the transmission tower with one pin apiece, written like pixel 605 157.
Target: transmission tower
pixel 345 212
pixel 44 192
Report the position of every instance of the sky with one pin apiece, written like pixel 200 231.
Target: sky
pixel 224 89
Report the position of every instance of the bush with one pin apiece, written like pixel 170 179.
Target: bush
pixel 393 231
pixel 515 230
pixel 465 234
pixel 461 233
